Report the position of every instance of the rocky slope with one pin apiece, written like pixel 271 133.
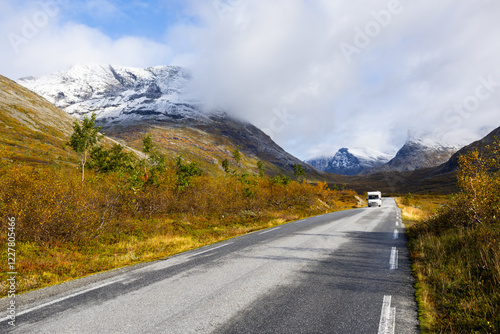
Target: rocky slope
pixel 480 145
pixel 417 154
pixel 119 95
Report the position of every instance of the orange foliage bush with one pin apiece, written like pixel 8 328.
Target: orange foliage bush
pixel 54 205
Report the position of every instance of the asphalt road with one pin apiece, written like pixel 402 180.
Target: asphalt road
pixel 344 272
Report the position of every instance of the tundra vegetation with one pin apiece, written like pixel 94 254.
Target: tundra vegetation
pixel 455 249
pixel 131 209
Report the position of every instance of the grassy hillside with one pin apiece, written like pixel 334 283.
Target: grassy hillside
pixel 196 145
pixel 455 250
pixel 31 129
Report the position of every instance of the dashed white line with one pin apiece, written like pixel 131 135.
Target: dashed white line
pixel 267 231
pixel 387 317
pixel 55 301
pixel 393 262
pixel 211 249
pixel 395 235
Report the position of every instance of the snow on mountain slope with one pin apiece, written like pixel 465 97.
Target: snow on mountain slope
pixel 419 153
pixel 370 157
pixel 350 161
pixel 119 94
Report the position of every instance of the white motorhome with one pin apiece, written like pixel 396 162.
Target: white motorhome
pixel 374 198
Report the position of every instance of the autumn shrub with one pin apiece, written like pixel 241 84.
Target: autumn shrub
pixel 51 204
pixel 54 205
pixel 456 253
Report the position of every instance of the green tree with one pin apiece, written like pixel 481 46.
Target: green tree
pixel 298 171
pixel 225 166
pixel 237 156
pixel 281 179
pixel 84 137
pixel 147 148
pixel 260 166
pixel 147 144
pixel 114 159
pixel 154 161
pixel 185 172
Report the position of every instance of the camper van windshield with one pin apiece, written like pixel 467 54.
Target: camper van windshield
pixel 373 197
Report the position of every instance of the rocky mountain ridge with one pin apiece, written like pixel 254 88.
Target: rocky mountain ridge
pixel 480 145
pixel 350 161
pixel 119 95
pixel 418 153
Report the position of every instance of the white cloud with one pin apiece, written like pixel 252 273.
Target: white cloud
pixel 32 47
pixel 409 69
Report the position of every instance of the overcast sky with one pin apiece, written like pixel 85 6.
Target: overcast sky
pixel 316 75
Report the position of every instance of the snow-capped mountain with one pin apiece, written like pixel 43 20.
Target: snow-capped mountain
pixel 119 94
pixel 125 98
pixel 419 153
pixel 350 161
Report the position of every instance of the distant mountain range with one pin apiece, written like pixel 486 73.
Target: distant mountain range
pixel 350 161
pixel 129 102
pixel 415 154
pixel 437 179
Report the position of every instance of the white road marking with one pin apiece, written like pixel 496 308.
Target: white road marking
pixel 393 262
pixel 387 317
pixel 267 231
pixel 211 249
pixel 396 234
pixel 55 301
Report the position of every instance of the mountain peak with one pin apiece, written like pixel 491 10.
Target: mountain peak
pixel 419 153
pixel 431 140
pixel 350 162
pixel 120 94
